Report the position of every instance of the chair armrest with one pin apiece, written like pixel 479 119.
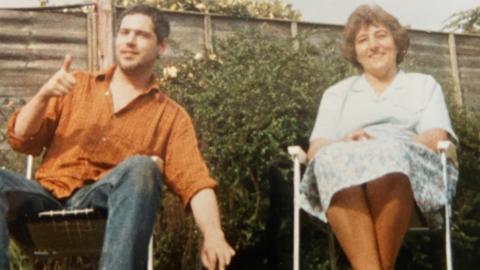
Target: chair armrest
pixel 449 149
pixel 296 151
pixel 160 163
pixel 29 167
pixel 66 212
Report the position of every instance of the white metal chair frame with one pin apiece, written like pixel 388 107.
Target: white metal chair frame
pixel 446 150
pixel 28 174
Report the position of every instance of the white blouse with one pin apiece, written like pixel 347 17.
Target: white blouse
pixel 411 104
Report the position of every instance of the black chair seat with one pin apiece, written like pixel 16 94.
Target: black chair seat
pixel 61 233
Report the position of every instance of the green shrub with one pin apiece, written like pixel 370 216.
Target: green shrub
pixel 466 210
pixel 249 101
pixel 273 9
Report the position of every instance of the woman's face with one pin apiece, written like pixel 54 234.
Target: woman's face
pixel 375 50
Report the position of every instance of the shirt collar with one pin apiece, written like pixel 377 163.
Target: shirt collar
pixel 362 84
pixel 106 76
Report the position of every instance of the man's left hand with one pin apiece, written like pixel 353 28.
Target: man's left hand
pixel 216 252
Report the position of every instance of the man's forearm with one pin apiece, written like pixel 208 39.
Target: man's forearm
pixel 28 121
pixel 216 252
pixel 205 211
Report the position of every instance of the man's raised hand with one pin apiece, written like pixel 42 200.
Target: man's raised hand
pixel 60 84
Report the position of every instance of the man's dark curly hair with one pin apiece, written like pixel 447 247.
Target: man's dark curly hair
pixel 160 22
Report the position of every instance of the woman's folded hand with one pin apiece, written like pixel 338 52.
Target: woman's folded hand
pixel 358 135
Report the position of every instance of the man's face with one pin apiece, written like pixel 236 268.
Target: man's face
pixel 136 45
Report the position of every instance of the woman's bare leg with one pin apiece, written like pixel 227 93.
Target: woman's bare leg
pixel 390 200
pixel 352 224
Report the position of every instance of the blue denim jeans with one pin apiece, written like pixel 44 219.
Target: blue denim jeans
pixel 130 193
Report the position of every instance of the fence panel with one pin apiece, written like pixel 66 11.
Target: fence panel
pixel 33 45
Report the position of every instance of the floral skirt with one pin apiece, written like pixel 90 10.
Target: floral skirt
pixel 346 164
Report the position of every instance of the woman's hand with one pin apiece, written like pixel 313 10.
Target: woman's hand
pixel 316 144
pixel 358 135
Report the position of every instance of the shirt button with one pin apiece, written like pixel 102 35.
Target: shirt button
pixel 107 93
pixel 104 139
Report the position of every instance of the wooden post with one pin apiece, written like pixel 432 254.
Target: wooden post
pixel 105 21
pixel 294 32
pixel 92 39
pixel 208 34
pixel 457 89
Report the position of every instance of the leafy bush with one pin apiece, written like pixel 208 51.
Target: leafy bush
pixel 250 101
pixel 466 210
pixel 466 21
pixel 8 158
pixel 274 9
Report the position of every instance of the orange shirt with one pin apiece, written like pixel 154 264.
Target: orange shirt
pixel 85 139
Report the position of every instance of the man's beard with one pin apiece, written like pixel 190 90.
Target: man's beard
pixel 134 68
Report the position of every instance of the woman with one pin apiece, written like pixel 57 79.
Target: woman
pixel 372 147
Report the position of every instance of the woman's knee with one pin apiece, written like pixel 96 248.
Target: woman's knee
pixel 390 188
pixel 347 196
pixel 390 183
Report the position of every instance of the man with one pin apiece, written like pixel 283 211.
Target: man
pixel 100 132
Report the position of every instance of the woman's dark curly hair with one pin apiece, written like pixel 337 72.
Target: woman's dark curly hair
pixel 366 15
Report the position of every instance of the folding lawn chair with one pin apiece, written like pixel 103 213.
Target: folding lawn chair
pixel 63 233
pixel 446 150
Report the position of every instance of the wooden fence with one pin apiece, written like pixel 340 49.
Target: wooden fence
pixel 34 42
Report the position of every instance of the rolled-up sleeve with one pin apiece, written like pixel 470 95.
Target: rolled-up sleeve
pixel 35 143
pixel 185 170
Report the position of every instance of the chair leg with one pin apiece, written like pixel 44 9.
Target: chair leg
pixel 150 254
pixel 296 215
pixel 437 255
pixel 448 244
